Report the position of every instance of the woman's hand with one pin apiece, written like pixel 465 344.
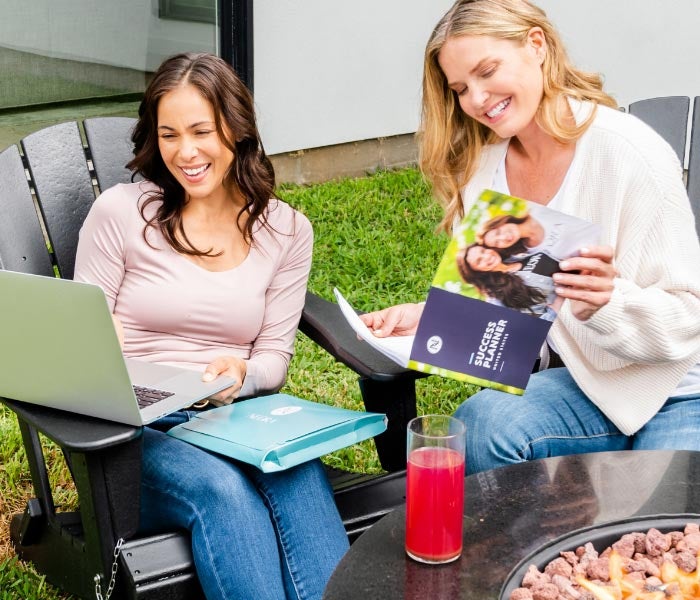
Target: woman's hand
pixel 401 319
pixel 587 280
pixel 231 366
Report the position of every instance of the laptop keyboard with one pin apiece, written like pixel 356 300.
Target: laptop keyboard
pixel 147 396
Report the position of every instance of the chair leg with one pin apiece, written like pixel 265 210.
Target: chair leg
pixel 397 399
pixel 70 548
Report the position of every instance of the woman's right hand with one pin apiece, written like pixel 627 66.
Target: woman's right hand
pixel 401 319
pixel 231 366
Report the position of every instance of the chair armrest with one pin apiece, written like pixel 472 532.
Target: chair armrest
pixel 104 459
pixel 324 323
pixel 385 386
pixel 73 433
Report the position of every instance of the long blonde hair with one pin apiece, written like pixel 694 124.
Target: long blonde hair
pixel 450 141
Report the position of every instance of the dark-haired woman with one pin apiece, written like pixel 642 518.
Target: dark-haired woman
pixel 525 285
pixel 205 268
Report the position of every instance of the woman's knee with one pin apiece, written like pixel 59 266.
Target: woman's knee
pixel 498 428
pixel 500 410
pixel 304 487
pixel 484 408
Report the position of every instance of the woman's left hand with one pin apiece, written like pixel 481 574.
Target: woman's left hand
pixel 231 366
pixel 587 280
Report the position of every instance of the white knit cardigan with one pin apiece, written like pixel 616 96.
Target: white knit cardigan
pixel 632 353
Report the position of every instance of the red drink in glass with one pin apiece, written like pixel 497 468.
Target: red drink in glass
pixel 434 504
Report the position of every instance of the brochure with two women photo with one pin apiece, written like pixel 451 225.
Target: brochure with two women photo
pixel 492 300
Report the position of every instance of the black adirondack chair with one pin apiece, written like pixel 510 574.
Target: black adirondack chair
pixel 64 172
pixel 693 181
pixel 668 115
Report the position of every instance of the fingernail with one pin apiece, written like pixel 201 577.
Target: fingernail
pixel 208 376
pixel 584 251
pixel 564 264
pixel 377 332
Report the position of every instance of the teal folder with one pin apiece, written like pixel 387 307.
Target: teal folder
pixel 278 431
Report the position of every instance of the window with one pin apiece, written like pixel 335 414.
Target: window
pixel 188 10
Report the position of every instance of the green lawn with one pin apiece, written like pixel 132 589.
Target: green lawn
pixel 375 241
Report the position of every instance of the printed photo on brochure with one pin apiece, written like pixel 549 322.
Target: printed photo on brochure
pixel 506 250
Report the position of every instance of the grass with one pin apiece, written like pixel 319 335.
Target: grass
pixel 375 241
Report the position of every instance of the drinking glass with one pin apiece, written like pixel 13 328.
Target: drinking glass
pixel 435 488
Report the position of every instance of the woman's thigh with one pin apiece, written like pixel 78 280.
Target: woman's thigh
pixel 289 518
pixel 184 487
pixel 552 418
pixel 171 467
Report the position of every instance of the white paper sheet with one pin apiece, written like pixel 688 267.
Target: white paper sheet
pixel 397 348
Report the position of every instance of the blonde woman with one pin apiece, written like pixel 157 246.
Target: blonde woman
pixel 504 108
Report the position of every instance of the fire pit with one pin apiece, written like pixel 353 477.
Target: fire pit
pixel 601 537
pixel 524 514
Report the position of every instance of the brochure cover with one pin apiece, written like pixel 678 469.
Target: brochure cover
pixel 492 300
pixel 278 431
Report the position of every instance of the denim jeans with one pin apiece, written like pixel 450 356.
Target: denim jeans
pixel 554 418
pixel 255 535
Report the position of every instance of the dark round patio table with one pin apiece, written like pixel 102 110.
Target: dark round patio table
pixel 511 512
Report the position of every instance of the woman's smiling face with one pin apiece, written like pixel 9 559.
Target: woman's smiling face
pixel 482 259
pixel 190 144
pixel 497 82
pixel 503 236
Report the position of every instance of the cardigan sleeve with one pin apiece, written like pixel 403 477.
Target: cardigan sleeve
pixel 654 313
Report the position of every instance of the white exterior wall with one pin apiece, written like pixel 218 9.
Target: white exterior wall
pixel 332 71
pixel 643 48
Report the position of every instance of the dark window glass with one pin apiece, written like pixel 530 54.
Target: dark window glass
pixel 188 10
pixel 94 50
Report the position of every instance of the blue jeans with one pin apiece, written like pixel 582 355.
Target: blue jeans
pixel 554 418
pixel 255 535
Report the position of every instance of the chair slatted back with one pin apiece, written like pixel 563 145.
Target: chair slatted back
pixel 668 116
pixel 62 178
pixel 63 185
pixel 109 141
pixel 694 164
pixel 22 244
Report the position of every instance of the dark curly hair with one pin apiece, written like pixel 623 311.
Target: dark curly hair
pixel 509 289
pixel 251 172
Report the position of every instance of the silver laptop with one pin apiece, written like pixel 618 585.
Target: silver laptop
pixel 59 348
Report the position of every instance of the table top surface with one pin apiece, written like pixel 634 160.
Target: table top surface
pixel 510 513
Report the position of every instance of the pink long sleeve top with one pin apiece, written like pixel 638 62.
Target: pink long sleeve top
pixel 178 313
